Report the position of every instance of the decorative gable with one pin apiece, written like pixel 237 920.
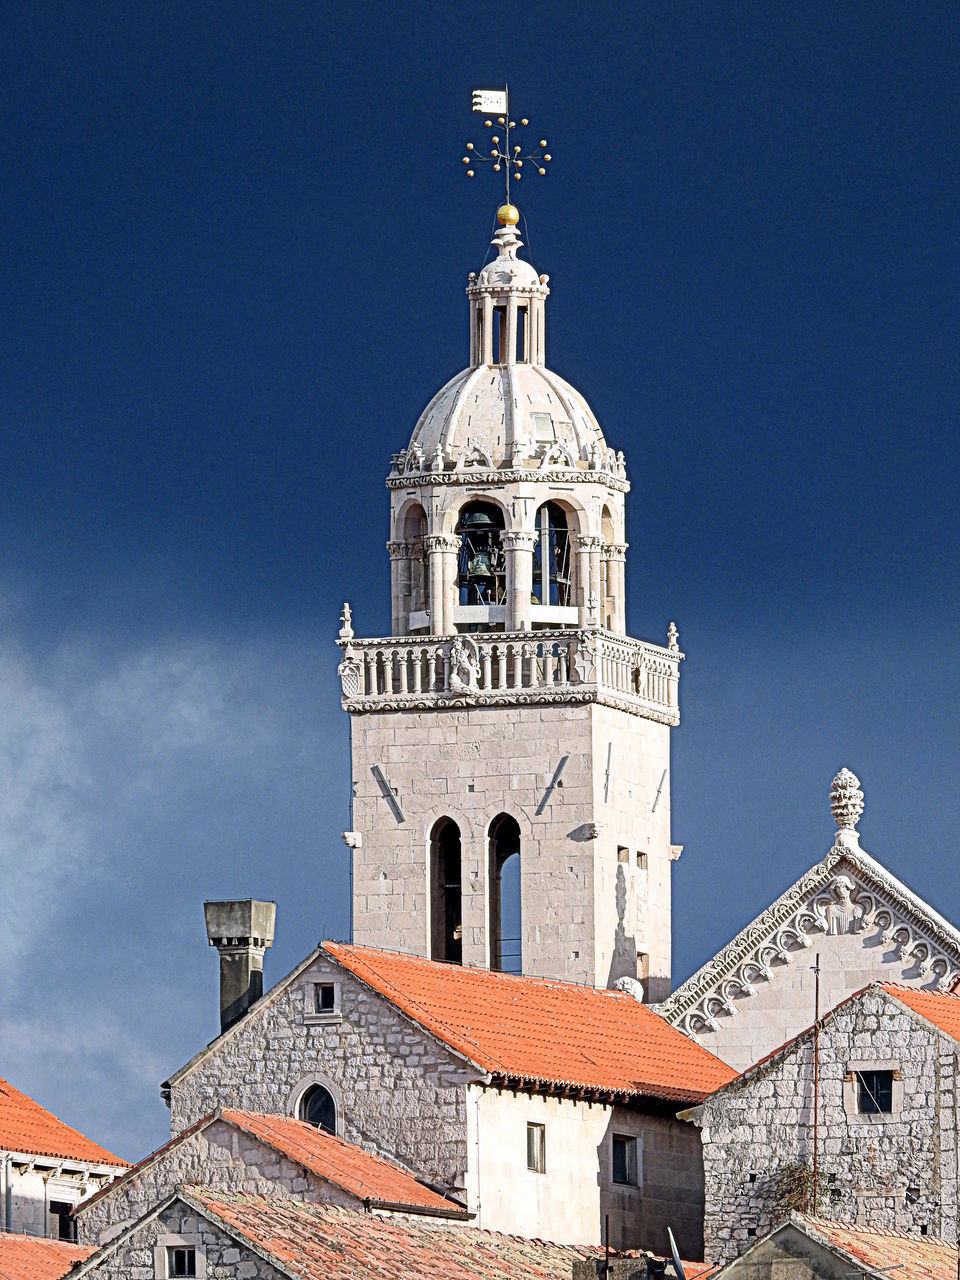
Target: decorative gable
pixel 864 924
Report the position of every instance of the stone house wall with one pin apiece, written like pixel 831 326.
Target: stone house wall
pixel 896 1171
pixel 219 1157
pixel 141 1255
pixel 398 1091
pixel 569 1201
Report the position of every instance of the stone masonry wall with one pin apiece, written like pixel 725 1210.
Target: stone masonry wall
pixel 218 1157
pixel 398 1091
pixel 579 922
pixel 219 1256
pixel 894 1171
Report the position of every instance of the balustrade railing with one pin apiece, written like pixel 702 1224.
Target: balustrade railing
pixel 493 666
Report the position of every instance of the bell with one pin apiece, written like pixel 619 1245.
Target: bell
pixel 476 522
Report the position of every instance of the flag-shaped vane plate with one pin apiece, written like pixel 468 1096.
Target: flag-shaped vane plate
pixel 490 100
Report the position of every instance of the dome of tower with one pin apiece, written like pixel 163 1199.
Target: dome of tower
pixel 493 408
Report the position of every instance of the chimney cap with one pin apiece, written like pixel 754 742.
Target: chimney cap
pixel 233 920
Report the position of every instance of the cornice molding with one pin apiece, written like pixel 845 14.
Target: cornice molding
pixel 509 475
pixel 847 892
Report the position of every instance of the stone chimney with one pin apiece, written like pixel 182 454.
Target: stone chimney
pixel 241 930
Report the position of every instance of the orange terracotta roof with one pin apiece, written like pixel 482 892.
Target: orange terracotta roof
pixel 362 1174
pixel 27 1127
pixel 325 1242
pixel 914 1257
pixel 938 1007
pixel 33 1258
pixel 540 1032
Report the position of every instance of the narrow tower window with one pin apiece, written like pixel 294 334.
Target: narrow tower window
pixel 446 930
pixel 505 915
pixel 551 557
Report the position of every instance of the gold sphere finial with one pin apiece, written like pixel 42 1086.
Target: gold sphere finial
pixel 508 215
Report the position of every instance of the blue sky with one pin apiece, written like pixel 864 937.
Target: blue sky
pixel 234 240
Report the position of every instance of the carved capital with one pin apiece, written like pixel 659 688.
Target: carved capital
pixel 398 550
pixel 519 540
pixel 589 542
pixel 438 542
pixel 615 550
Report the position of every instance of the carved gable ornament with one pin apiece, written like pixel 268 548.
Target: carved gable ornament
pixel 848 892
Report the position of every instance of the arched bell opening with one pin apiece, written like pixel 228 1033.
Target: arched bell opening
pixel 608 604
pixel 552 562
pixel 446 928
pixel 506 950
pixel 481 568
pixel 413 582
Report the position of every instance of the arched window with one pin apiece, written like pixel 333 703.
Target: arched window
pixel 607 603
pixel 446 929
pixel 505 923
pixel 414 588
pixel 552 583
pixel 318 1108
pixel 481 578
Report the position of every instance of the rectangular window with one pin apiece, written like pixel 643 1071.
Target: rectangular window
pixel 874 1092
pixel 536 1148
pixel 641 861
pixel 623 853
pixel 324 997
pixel 181 1260
pixel 543 426
pixel 624 1160
pixel 62 1224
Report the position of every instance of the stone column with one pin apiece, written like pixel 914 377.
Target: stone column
pixel 589 546
pixel 450 552
pixel 399 606
pixel 433 544
pixel 511 341
pixel 616 555
pixel 487 329
pixel 518 546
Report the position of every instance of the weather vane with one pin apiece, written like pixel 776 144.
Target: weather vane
pixel 507 157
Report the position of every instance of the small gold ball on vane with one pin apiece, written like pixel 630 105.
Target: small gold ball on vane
pixel 518 164
pixel 494 138
pixel 548 157
pixel 488 123
pixel 516 151
pixel 469 173
pixel 517 176
pixel 469 146
pixel 466 159
pixel 543 142
pixel 500 120
pixel 524 120
pixel 541 171
pixel 508 215
pixel 496 168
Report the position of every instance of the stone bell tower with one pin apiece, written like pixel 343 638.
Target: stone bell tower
pixel 510 743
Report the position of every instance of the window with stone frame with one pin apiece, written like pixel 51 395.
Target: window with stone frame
pixel 624 1160
pixel 181 1260
pixel 63 1224
pixel 536 1148
pixel 874 1092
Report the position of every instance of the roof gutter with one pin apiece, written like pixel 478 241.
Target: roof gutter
pixel 392 1206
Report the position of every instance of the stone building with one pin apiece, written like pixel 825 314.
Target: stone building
pixel 230 1234
pixel 881 1077
pixel 260 1155
pixel 862 924
pixel 543 1108
pixel 46 1168
pixel 510 742
pixel 803 1248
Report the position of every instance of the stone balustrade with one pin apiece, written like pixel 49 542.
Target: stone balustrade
pixel 500 668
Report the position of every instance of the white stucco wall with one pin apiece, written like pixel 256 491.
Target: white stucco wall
pixel 29 1184
pixel 570 1200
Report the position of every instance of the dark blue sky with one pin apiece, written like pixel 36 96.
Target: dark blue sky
pixel 234 240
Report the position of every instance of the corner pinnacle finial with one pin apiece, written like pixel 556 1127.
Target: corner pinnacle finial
pixel 505 157
pixel 846 800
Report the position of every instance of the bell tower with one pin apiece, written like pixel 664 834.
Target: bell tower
pixel 510 743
